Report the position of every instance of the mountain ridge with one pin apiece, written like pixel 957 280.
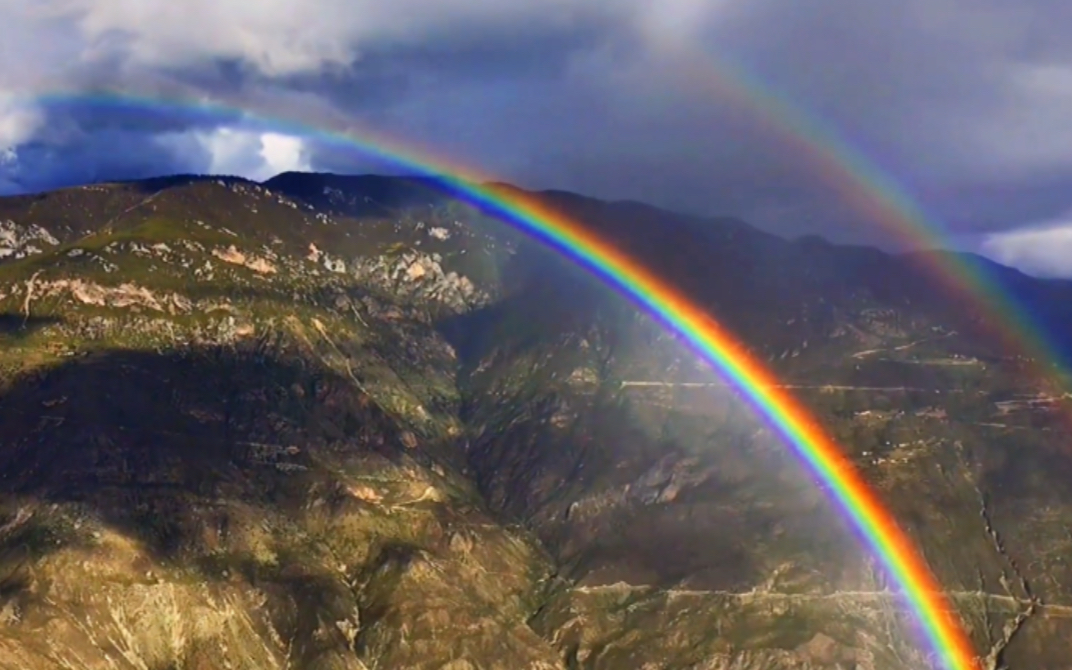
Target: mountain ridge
pixel 357 436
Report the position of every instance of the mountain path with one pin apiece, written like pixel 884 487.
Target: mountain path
pixel 822 387
pixel 880 596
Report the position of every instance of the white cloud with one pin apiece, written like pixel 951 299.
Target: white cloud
pixel 1044 250
pixel 281 37
pixel 18 123
pixel 675 23
pixel 946 93
pixel 283 153
pixel 253 155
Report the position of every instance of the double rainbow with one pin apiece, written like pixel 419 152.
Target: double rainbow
pixel 708 338
pixel 877 198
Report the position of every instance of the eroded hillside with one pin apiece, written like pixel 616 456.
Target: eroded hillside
pixel 337 422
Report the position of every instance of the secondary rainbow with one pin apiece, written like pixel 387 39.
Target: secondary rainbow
pixel 706 336
pixel 876 195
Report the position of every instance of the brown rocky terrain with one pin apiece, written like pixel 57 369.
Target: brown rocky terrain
pixel 350 422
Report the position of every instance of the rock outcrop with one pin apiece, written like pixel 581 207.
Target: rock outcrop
pixel 350 423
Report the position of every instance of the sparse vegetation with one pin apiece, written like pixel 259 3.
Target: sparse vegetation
pixel 289 427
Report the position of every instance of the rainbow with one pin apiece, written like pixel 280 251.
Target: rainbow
pixel 707 337
pixel 861 182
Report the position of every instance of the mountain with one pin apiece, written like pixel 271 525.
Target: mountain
pixel 349 422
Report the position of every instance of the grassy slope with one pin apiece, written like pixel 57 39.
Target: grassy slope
pixel 167 485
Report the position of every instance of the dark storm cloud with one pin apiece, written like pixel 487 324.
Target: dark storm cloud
pixel 963 102
pixel 86 116
pixel 106 155
pixel 916 87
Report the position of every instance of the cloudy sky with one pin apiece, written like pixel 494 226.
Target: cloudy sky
pixel 698 105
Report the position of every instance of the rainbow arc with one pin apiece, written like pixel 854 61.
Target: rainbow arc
pixel 816 450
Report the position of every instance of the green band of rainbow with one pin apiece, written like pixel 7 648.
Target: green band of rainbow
pixel 819 452
pixel 821 455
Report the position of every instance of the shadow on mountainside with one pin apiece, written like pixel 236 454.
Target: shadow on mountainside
pixel 147 439
pixel 176 451
pixel 19 326
pixel 179 452
pixel 184 454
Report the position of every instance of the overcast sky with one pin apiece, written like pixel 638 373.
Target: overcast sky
pixel 965 103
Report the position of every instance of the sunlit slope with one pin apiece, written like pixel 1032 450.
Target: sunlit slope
pixel 333 422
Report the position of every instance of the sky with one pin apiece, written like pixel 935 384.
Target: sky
pixel 964 103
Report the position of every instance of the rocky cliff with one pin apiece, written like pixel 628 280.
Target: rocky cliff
pixel 349 422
